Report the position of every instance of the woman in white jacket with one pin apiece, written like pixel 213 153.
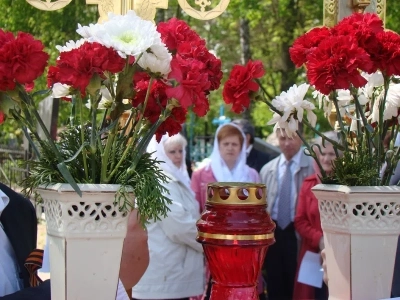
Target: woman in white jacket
pixel 176 269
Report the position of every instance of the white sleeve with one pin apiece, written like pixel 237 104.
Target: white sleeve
pixel 121 292
pixel 180 225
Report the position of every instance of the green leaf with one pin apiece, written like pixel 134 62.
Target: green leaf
pixel 67 175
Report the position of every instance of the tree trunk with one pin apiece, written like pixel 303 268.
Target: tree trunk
pixel 287 67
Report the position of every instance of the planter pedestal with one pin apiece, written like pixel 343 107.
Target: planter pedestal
pixel 85 240
pixel 235 230
pixel 361 226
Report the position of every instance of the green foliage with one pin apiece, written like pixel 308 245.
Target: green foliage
pixel 146 180
pixel 354 169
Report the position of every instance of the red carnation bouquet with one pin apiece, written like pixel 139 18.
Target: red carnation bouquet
pixel 353 68
pixel 126 80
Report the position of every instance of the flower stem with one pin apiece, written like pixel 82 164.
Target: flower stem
pixel 93 140
pixel 135 133
pixel 84 151
pixel 381 149
pixel 106 154
pixel 341 124
pixel 333 142
pixel 312 154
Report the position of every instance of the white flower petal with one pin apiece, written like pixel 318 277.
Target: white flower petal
pixel 312 118
pixel 292 127
pixel 344 95
pixel 275 118
pixel 60 90
pixel 71 45
pixel 156 60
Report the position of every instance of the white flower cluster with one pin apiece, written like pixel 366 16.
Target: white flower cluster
pixel 130 35
pixel 292 104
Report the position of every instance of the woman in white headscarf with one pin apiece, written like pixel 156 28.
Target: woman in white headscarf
pixel 176 269
pixel 227 162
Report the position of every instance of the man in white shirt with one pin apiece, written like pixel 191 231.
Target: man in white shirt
pixel 18 233
pixel 283 177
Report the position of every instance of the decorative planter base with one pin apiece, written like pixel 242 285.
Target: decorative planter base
pixel 361 226
pixel 85 240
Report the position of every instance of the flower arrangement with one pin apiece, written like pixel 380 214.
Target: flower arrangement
pixel 352 67
pixel 125 80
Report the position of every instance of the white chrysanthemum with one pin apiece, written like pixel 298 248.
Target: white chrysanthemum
pixel 344 95
pixel 393 95
pixel 365 94
pixel 71 45
pixel 60 90
pixel 106 101
pixel 292 103
pixel 374 80
pixel 127 34
pixel 344 98
pixel 323 102
pixel 391 106
pixel 156 60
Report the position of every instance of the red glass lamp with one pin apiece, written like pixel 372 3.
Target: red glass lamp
pixel 236 231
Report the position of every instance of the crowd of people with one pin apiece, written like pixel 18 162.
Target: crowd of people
pixel 172 262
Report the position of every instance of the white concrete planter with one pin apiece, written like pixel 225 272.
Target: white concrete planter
pixel 85 240
pixel 361 226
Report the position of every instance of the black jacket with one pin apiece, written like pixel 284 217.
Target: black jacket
pixel 257 159
pixel 20 225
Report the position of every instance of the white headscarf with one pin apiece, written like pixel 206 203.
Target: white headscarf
pixel 240 172
pixel 158 152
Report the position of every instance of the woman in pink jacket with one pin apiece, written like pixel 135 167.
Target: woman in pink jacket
pixel 227 162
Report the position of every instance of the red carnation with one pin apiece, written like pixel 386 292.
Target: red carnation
pixel 21 60
pixel 241 83
pixel 192 83
pixel 364 27
pixel 336 64
pixel 387 53
pixel 360 23
pixel 76 67
pixel 5 37
pixel 174 32
pixel 212 66
pixel 306 43
pixel 157 99
pixel 173 124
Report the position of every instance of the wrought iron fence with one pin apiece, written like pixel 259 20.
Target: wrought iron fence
pixel 12 171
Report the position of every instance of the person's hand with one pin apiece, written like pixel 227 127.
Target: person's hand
pixel 321 244
pixel 135 252
pixel 323 256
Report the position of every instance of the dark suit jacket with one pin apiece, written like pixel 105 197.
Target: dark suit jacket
pixel 20 225
pixel 257 159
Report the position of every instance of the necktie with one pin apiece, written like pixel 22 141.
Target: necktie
pixel 285 198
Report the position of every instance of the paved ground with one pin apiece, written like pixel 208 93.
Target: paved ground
pixel 41 241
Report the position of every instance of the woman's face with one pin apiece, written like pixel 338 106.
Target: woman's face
pixel 327 157
pixel 174 153
pixel 230 148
